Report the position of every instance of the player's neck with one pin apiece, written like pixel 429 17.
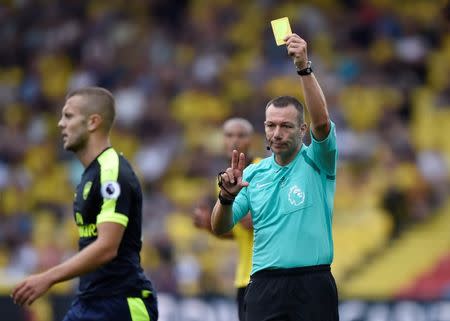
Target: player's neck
pixel 93 148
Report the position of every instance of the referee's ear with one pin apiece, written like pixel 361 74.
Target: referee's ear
pixel 303 129
pixel 95 122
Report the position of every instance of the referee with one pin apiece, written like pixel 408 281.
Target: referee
pixel 290 196
pixel 108 214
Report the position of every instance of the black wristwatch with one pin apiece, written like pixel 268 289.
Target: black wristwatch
pixel 305 71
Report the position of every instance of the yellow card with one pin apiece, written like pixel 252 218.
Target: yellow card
pixel 281 28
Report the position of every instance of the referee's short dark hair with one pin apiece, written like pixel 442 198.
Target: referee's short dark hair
pixel 284 101
pixel 99 101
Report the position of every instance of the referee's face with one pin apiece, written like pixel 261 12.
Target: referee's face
pixel 73 124
pixel 283 132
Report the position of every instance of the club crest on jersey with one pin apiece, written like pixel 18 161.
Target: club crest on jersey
pixel 296 196
pixel 110 190
pixel 86 189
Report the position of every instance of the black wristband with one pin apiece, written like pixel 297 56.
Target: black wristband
pixel 225 201
pixel 220 184
pixel 305 71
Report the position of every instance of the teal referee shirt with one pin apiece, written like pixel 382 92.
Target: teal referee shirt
pixel 292 207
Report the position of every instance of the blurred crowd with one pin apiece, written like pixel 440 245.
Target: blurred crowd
pixel 178 69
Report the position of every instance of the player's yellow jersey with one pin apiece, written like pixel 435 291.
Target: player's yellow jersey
pixel 244 240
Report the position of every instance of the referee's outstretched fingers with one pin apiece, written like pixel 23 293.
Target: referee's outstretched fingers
pixel 230 173
pixel 241 162
pixel 237 165
pixel 234 165
pixel 231 180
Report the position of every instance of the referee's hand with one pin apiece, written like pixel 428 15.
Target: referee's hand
pixel 297 49
pixel 231 179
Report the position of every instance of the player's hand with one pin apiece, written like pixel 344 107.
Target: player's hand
pixel 297 49
pixel 202 216
pixel 231 180
pixel 30 289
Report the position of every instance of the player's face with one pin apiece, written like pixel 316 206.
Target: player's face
pixel 284 134
pixel 73 124
pixel 236 137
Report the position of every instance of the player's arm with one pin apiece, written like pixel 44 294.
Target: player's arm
pixel 314 97
pixel 96 254
pixel 101 251
pixel 202 219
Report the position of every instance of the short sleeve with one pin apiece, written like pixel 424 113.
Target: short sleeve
pixel 114 190
pixel 240 206
pixel 324 152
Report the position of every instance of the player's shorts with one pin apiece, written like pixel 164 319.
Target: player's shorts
pixel 305 293
pixel 240 302
pixel 113 309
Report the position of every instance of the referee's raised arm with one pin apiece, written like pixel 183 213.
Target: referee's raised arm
pixel 314 97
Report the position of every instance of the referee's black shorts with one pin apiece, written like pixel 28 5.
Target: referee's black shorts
pixel 297 294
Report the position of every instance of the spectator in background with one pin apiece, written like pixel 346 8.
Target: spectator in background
pixel 108 213
pixel 290 196
pixel 237 134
